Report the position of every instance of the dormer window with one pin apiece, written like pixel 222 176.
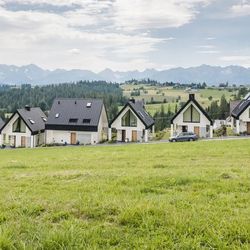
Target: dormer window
pixel 89 105
pixel 57 115
pixel 86 121
pixel 73 120
pixel 32 121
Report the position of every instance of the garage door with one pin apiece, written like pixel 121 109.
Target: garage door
pixel 84 138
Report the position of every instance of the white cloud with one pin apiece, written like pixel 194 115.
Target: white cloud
pixel 96 35
pixel 237 59
pixel 241 9
pixel 208 51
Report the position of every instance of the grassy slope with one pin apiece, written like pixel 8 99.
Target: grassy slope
pixel 171 94
pixel 182 196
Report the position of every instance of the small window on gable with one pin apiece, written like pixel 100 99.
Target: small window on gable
pixel 57 115
pixel 73 120
pixel 86 121
pixel 32 121
pixel 89 105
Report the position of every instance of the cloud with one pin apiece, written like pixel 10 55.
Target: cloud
pixel 237 59
pixel 208 51
pixel 241 9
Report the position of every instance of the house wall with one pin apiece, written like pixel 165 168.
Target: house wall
pixel 244 118
pixel 62 137
pixel 178 123
pixel 102 126
pixel 117 124
pixel 8 132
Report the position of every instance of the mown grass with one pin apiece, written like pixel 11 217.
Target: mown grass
pixel 162 196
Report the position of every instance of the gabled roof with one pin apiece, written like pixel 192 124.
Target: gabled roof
pixel 32 117
pixel 75 114
pixel 241 107
pixel 139 110
pixel 1 123
pixel 193 100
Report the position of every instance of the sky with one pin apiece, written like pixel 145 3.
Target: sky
pixel 124 34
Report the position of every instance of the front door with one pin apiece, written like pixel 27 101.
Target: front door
pixel 134 135
pixel 248 128
pixel 73 138
pixel 23 141
pixel 123 135
pixel 197 131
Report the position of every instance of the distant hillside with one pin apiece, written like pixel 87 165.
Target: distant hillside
pixel 33 74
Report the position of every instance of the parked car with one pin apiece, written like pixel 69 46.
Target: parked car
pixel 184 136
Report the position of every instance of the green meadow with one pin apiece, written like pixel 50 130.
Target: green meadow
pixel 156 196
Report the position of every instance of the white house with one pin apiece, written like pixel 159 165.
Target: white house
pixel 25 128
pixel 241 116
pixel 133 123
pixel 219 123
pixel 192 118
pixel 77 121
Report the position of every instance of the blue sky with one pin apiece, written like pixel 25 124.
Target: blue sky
pixel 124 34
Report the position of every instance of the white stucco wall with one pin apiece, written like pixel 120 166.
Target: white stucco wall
pixel 244 119
pixel 8 132
pixel 117 124
pixel 178 123
pixel 62 137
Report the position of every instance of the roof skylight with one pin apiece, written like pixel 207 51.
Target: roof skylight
pixel 57 115
pixel 32 121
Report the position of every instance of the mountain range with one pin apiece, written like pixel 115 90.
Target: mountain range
pixel 212 75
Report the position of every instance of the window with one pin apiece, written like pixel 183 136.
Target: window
pixel 19 126
pixel 57 115
pixel 86 120
pixel 73 120
pixel 249 112
pixel 129 120
pixel 191 115
pixel 32 121
pixel 89 105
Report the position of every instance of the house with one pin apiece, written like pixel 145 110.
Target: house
pixel 192 118
pixel 77 121
pixel 25 128
pixel 241 116
pixel 133 123
pixel 219 123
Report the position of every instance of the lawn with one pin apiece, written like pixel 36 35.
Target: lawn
pixel 157 196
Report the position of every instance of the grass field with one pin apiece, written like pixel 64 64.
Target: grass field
pixel 159 93
pixel 162 196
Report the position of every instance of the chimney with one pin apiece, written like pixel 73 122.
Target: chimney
pixel 191 96
pixel 27 107
pixel 132 100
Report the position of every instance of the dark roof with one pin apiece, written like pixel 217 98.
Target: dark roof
pixel 1 123
pixel 73 114
pixel 192 99
pixel 138 108
pixel 241 107
pixel 31 114
pixel 233 105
